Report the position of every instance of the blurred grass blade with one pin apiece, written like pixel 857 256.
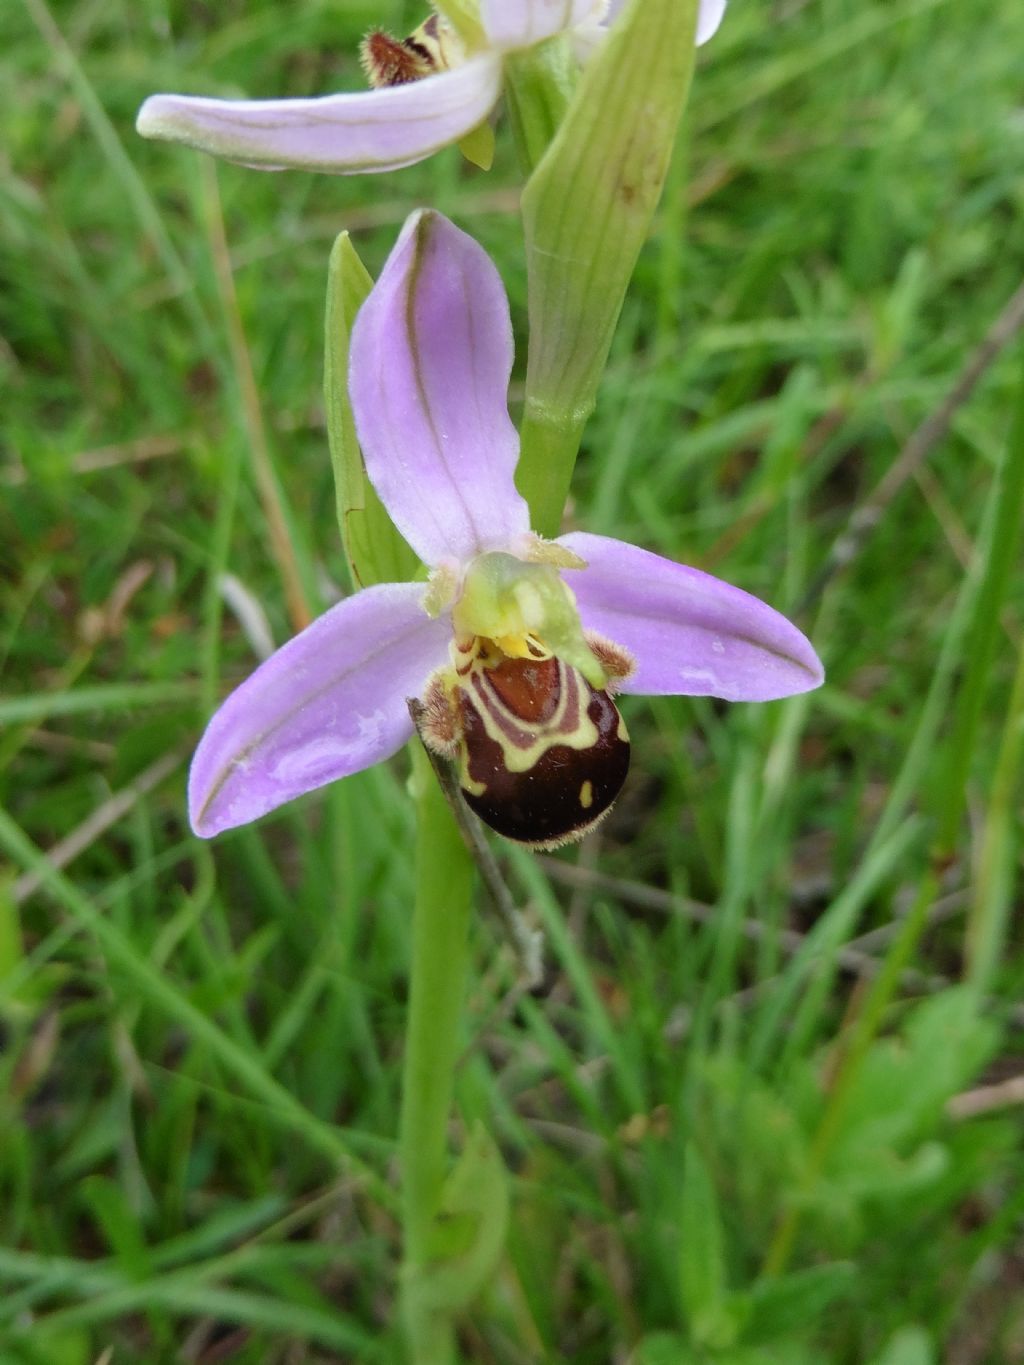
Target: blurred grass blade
pixel 867 26
pixel 117 697
pixel 992 900
pixel 245 1066
pixel 109 1295
pixel 123 168
pixel 120 1223
pixel 702 1283
pixel 1001 557
pixel 782 1306
pixel 910 1346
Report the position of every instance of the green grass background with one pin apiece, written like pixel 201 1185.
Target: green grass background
pixel 733 1139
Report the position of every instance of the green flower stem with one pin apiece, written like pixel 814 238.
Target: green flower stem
pixel 552 442
pixel 538 86
pixel 444 868
pixel 440 959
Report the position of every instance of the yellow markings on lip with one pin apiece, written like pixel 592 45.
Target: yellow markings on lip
pixel 574 731
pixel 522 646
pixel 539 751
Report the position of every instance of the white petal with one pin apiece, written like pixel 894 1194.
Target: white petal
pixel 511 24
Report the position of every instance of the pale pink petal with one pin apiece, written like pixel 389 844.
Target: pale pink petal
pixel 690 634
pixel 430 362
pixel 511 24
pixel 328 703
pixel 709 16
pixel 374 130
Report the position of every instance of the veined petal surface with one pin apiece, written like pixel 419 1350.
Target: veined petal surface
pixel 709 16
pixel 691 634
pixel 328 703
pixel 429 367
pixel 373 130
pixel 511 24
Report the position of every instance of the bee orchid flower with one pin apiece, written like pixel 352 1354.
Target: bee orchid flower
pixel 433 89
pixel 513 646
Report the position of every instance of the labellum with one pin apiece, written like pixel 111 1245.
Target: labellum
pixel 541 753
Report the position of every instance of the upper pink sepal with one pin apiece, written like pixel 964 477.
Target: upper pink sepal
pixel 429 368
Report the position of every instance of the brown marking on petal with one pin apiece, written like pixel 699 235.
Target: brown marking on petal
pixel 509 732
pixel 557 787
pixel 530 690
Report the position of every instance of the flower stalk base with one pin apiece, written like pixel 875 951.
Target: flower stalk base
pixel 440 957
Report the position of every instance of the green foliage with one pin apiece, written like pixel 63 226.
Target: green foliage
pixel 471 1225
pixel 201 1044
pixel 908 1346
pixel 701 1262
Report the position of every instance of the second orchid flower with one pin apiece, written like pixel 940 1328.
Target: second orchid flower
pixel 435 89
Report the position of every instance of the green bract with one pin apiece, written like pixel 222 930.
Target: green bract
pixel 587 210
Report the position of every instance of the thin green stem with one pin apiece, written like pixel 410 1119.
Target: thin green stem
pixel 440 960
pixel 538 86
pixel 549 446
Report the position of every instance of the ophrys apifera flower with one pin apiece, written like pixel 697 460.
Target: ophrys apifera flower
pixel 434 88
pixel 514 646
